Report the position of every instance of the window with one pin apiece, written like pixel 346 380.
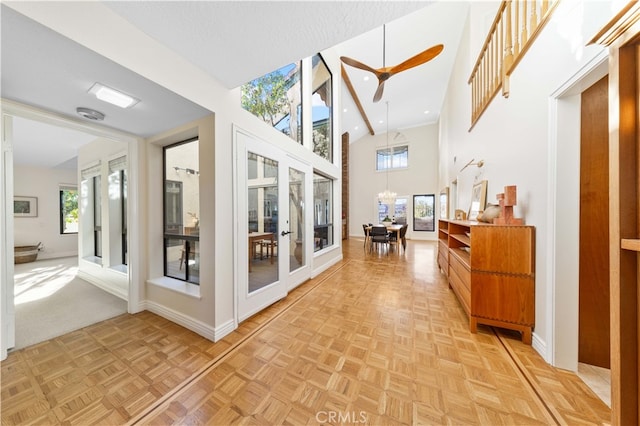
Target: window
pixel 68 210
pixel 97 216
pixel 118 211
pixel 90 206
pixel 399 213
pixel 276 98
pixel 395 157
pixel 323 212
pixel 182 211
pixel 424 212
pixel 321 108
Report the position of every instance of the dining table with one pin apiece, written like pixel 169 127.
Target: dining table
pixel 259 236
pixel 392 227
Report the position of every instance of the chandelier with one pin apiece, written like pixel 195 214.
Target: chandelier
pixel 387 197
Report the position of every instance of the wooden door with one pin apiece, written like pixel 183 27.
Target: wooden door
pixel 593 338
pixel 622 37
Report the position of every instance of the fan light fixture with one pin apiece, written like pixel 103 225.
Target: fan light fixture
pixel 384 73
pixel 112 96
pixel 387 197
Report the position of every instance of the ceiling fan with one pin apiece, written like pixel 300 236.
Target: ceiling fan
pixel 384 73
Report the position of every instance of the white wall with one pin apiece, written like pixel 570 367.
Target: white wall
pixel 421 177
pixel 513 135
pixel 44 183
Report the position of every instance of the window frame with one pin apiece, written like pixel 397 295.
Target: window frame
pixel 329 100
pixel 389 157
pixel 96 182
pixel 329 225
pixel 166 237
pixel 62 190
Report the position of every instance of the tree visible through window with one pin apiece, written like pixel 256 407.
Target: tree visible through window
pixel 321 108
pixel 275 98
pixel 68 210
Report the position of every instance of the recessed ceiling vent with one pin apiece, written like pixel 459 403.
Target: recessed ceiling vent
pixel 90 114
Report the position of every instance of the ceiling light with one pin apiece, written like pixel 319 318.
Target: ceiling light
pixel 112 96
pixel 426 112
pixel 344 110
pixel 90 114
pixel 366 78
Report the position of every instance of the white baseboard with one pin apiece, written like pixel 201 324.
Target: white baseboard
pixel 224 329
pixel 540 346
pixel 197 326
pixel 320 269
pixel 56 255
pixel 107 286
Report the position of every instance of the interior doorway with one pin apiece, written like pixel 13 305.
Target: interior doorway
pixel 43 183
pixel 594 323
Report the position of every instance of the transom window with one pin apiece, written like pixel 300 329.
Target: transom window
pixel 276 98
pixel 321 108
pixel 395 157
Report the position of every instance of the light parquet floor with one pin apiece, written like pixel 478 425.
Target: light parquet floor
pixel 376 339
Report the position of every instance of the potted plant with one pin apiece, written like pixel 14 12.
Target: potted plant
pixel 387 220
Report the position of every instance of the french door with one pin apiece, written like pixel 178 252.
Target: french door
pixel 272 251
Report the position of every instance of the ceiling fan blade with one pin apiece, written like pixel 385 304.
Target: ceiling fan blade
pixel 379 90
pixel 418 59
pixel 358 64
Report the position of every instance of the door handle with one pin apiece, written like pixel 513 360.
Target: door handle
pixel 283 233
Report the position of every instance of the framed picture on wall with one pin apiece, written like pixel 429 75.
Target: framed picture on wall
pixel 25 206
pixel 424 207
pixel 478 199
pixel 444 203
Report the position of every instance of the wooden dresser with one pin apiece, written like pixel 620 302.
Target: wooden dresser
pixel 491 269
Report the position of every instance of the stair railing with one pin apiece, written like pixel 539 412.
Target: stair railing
pixel 514 29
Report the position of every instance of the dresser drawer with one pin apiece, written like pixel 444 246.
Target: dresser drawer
pixel 461 290
pixel 443 263
pixel 464 274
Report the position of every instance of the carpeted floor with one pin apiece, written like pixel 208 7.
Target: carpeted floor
pixel 50 301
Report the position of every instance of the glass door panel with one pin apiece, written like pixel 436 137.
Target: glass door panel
pixel 262 212
pixel 273 251
pixel 296 220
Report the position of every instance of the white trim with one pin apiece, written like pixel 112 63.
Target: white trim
pixel 574 85
pixel 107 286
pixel 27 111
pixel 187 322
pixel 59 254
pixel 223 329
pixel 539 345
pixel 7 307
pixel 320 269
pixel 178 286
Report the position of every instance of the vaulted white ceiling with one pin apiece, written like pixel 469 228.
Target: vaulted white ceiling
pixel 234 41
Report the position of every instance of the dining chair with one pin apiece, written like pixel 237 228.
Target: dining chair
pixel 379 235
pixel 366 234
pixel 403 236
pixel 266 244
